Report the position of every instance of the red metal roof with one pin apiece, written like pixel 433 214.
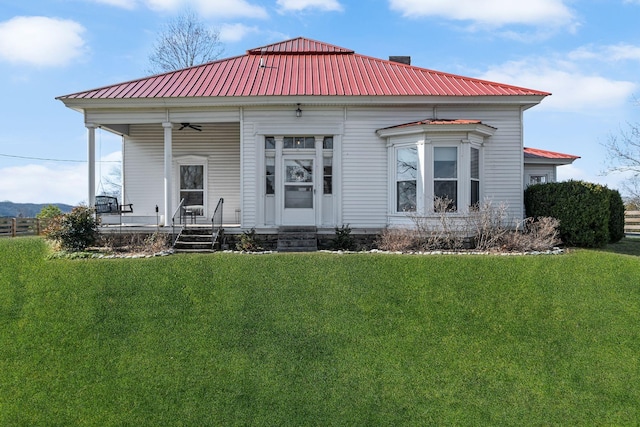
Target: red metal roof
pixel 440 122
pixel 534 153
pixel 302 67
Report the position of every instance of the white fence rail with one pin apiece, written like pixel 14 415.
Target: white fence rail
pixel 632 222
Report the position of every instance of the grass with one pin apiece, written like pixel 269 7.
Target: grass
pixel 319 339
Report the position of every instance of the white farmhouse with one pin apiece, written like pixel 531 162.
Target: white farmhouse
pixel 305 133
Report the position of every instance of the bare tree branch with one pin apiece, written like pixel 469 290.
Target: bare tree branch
pixel 184 42
pixel 623 150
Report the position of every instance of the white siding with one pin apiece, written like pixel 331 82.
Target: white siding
pixel 143 154
pixel 503 153
pixel 364 165
pixel 362 184
pixel 143 160
pixel 365 186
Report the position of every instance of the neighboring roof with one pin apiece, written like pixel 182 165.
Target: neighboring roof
pixel 302 67
pixel 535 155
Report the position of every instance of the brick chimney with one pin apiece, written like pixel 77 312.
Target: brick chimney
pixel 401 59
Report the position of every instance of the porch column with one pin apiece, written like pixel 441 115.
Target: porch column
pixel 91 163
pixel 168 185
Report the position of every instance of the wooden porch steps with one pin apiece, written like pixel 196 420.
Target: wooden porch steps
pixel 297 239
pixel 194 239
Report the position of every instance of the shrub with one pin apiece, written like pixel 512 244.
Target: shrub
pixel 616 216
pixel 343 241
pixel 534 234
pixel 397 240
pixel 74 231
pixel 582 209
pixel 135 242
pixel 49 212
pixel 441 230
pixel 487 225
pixel 485 228
pixel 248 242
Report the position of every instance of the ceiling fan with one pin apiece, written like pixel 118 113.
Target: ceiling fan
pixel 189 125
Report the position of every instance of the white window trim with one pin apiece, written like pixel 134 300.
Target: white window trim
pixel 425 184
pixel 393 174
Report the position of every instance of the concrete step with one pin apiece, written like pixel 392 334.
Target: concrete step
pixel 192 246
pixel 297 239
pixel 194 239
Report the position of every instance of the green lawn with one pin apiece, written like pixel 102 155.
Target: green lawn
pixel 319 339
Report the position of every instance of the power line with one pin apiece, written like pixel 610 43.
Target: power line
pixel 57 160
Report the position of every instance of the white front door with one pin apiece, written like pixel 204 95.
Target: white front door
pixel 299 201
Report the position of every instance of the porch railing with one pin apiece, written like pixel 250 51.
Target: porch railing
pixel 178 211
pixel 216 223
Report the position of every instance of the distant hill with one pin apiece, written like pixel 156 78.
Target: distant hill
pixel 27 210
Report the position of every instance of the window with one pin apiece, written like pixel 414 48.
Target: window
pixel 327 143
pixel 537 179
pixel 327 175
pixel 270 169
pixel 299 142
pixel 269 143
pixel 406 178
pixel 192 185
pixel 475 177
pixel 445 174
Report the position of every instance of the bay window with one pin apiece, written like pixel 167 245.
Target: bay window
pixel 445 176
pixel 406 179
pixel 433 162
pixel 475 178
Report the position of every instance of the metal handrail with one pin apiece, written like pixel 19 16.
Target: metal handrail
pixel 216 219
pixel 173 223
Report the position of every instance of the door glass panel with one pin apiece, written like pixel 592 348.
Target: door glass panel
pixel 298 196
pixel 298 189
pixel 299 170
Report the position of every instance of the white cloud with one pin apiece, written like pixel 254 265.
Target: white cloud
pixel 235 32
pixel 496 13
pixel 572 90
pixel 125 4
pixel 301 5
pixel 44 184
pixel 41 41
pixel 607 53
pixel 53 183
pixel 208 8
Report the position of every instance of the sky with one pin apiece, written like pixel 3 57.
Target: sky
pixel 585 52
